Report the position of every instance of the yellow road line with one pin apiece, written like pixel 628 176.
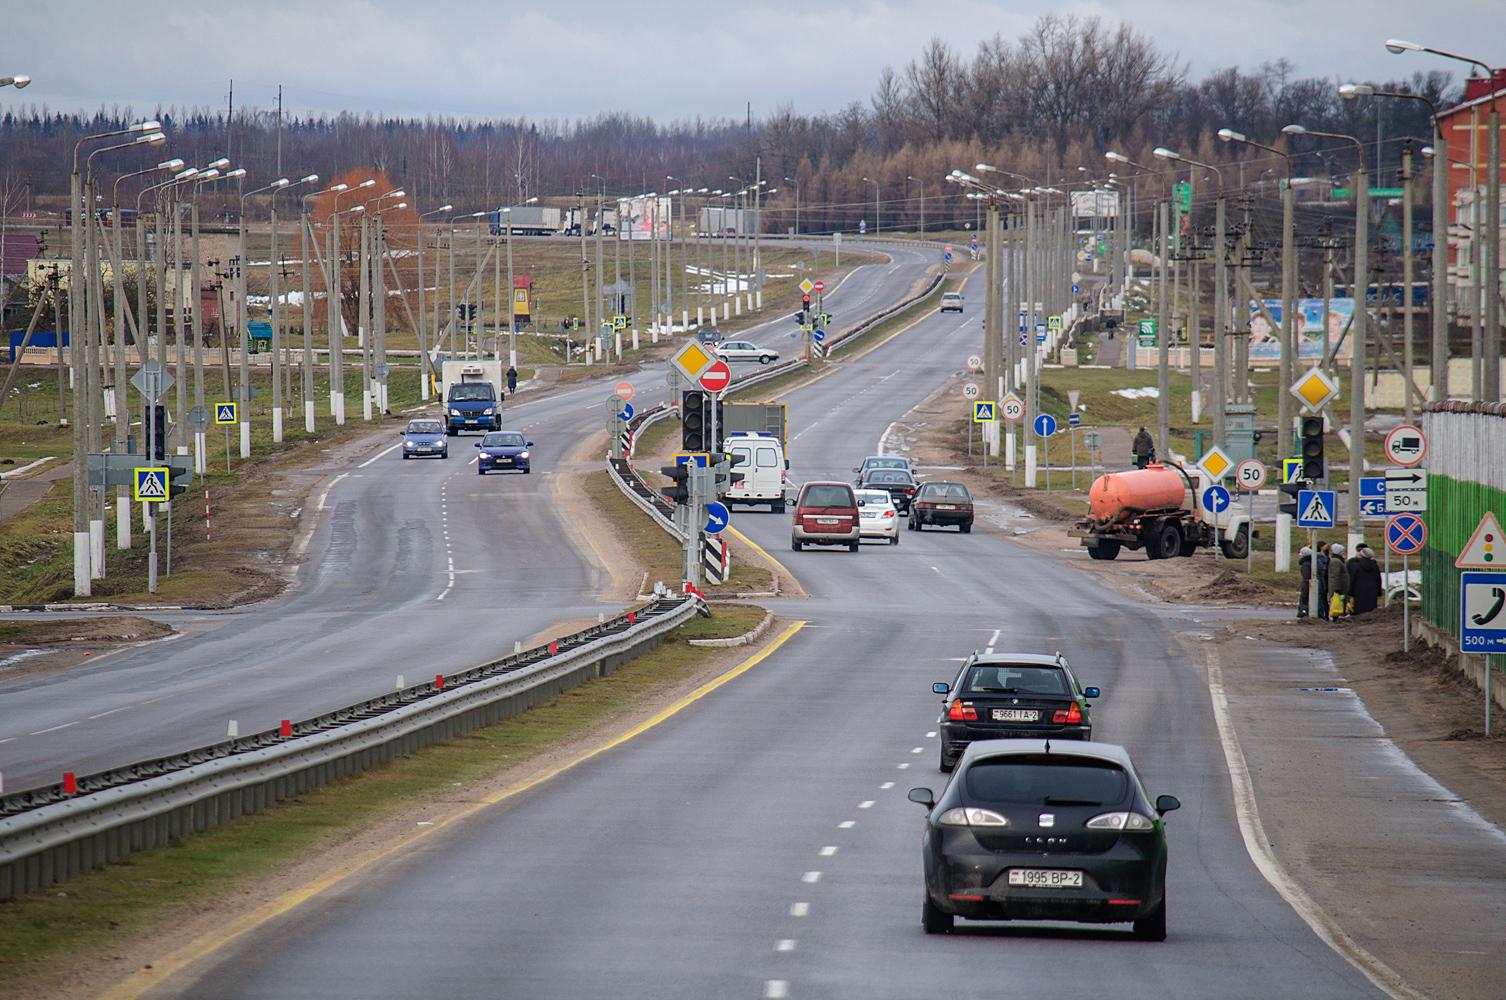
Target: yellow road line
pixel 143 980
pixel 781 567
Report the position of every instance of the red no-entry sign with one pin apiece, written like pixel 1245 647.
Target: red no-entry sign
pixel 717 377
pixel 820 286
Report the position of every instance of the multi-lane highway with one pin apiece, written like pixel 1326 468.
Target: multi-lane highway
pixel 759 843
pixel 413 568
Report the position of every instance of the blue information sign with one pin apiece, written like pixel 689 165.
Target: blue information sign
pixel 1045 425
pixel 1373 496
pixel 717 517
pixel 1482 612
pixel 1315 508
pixel 626 412
pixel 1216 499
pixel 1074 419
pixel 818 336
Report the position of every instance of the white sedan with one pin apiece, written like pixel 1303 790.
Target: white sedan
pixel 742 350
pixel 877 517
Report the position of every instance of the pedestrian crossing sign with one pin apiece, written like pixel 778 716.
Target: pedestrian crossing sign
pixel 983 411
pixel 150 484
pixel 619 322
pixel 224 413
pixel 1315 508
pixel 1291 470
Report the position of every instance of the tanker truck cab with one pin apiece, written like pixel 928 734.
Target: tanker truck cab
pixel 1157 509
pixel 763 467
pixel 472 396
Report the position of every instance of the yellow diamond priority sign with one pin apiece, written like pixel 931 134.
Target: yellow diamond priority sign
pixel 692 361
pixel 1315 389
pixel 806 286
pixel 1216 463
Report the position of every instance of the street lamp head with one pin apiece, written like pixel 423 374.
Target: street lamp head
pixel 399 193
pixel 219 164
pixel 368 182
pixel 985 168
pixel 1349 91
pixel 444 208
pixel 19 81
pixel 356 209
pixel 152 139
pixel 184 175
pixel 146 126
pixel 1293 130
pixel 401 204
pixel 772 191
pixel 1429 151
pixel 1165 153
pixel 476 215
pixel 237 172
pixel 1397 46
pixel 310 179
pixel 1229 135
pixel 1116 157
pixel 280 183
pixel 207 175
pixel 174 164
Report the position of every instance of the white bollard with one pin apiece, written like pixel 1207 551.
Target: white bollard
pixel 122 520
pixel 233 731
pixel 517 645
pixel 400 682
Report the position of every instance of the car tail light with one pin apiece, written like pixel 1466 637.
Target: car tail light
pixel 888 513
pixel 971 816
pixel 962 711
pixel 1120 821
pixel 1071 715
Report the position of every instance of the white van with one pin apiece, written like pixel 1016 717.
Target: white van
pixel 764 471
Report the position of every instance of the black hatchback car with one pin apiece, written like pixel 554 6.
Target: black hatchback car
pixel 1045 830
pixel 1011 696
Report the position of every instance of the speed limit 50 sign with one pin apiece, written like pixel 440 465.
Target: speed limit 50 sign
pixel 1012 407
pixel 1250 475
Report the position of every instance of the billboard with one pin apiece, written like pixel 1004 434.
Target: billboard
pixel 1103 204
pixel 1312 344
pixel 643 218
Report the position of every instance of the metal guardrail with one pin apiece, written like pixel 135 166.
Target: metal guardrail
pixel 47 836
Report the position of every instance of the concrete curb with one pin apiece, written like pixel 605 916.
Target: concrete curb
pixel 741 640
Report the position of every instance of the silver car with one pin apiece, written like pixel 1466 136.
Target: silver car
pixel 742 350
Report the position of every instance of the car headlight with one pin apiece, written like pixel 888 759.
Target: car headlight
pixel 522 454
pixel 1120 821
pixel 971 816
pixel 455 413
pixel 410 444
pixel 488 411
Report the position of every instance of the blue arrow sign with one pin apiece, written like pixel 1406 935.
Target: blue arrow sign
pixel 1074 419
pixel 1315 508
pixel 947 255
pixel 1045 425
pixel 717 517
pixel 627 411
pixel 1405 534
pixel 1076 289
pixel 818 336
pixel 1216 499
pixel 1373 496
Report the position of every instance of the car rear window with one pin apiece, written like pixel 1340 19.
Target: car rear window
pixel 876 497
pixel 890 476
pixel 828 496
pixel 888 463
pixel 947 491
pixel 1007 679
pixel 768 458
pixel 1041 779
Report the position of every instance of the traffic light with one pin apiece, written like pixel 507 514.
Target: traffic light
pixel 154 432
pixel 1312 447
pixel 694 432
pixel 1289 507
pixel 727 475
pixel 680 476
pixel 805 302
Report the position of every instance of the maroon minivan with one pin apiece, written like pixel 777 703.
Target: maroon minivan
pixel 825 514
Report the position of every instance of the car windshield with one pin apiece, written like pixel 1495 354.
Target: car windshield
pixel 875 498
pixel 886 463
pixel 425 427
pixel 828 496
pixel 1043 779
pixel 471 391
pixel 1012 679
pixel 502 439
pixel 891 476
pixel 946 491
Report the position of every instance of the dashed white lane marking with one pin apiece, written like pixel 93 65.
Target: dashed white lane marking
pixel 325 495
pixel 384 451
pixel 784 944
pixel 886 786
pixel 776 988
pixel 931 735
pixel 847 824
pixel 8 739
pixel 866 804
pixel 904 767
pixel 918 750
pixel 811 878
pixel 112 711
pixel 936 569
pixel 828 851
pixel 53 729
pixel 995 640
pixel 799 909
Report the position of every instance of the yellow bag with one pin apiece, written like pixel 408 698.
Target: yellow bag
pixel 1336 606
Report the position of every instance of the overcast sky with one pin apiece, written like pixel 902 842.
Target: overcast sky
pixel 662 58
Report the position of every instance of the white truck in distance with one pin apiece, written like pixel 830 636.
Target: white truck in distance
pixel 472 395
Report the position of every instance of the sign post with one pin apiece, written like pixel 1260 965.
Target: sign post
pixel 1405 534
pixel 1045 426
pixel 1250 474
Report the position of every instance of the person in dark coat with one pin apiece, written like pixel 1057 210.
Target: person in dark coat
pixel 1143 448
pixel 1338 576
pixel 512 379
pixel 1322 571
pixel 1365 584
pixel 1305 566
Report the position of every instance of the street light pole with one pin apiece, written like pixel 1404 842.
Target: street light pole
pixel 1163 313
pixel 876 226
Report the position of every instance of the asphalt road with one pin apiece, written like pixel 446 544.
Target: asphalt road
pixel 759 844
pixel 416 568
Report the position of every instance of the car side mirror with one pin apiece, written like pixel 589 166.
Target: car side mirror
pixel 925 797
pixel 1091 692
pixel 1167 803
pixel 862 503
pixel 478 444
pixel 856 470
pixel 530 444
pixel 941 687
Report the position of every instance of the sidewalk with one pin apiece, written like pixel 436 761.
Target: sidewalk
pixel 18 494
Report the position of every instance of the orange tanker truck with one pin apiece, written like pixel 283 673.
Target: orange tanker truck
pixel 1157 509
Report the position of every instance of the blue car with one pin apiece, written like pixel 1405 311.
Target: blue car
pixel 504 451
pixel 425 438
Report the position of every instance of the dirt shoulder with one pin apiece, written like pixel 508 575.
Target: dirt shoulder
pixel 46 645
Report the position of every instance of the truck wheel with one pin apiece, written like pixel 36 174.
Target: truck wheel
pixel 1168 540
pixel 1104 550
pixel 1189 546
pixel 1239 548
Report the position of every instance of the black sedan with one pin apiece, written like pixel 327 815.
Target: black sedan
pixel 900 484
pixel 940 504
pixel 503 451
pixel 1012 695
pixel 1045 830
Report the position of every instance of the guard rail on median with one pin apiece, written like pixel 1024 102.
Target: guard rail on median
pixel 48 836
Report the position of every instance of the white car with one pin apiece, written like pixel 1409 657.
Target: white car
pixel 742 350
pixel 877 517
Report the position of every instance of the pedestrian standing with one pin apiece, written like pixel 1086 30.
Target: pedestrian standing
pixel 1365 583
pixel 1305 565
pixel 1143 448
pixel 1338 581
pixel 1321 575
pixel 512 380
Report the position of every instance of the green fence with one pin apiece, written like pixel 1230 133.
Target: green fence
pixel 1466 466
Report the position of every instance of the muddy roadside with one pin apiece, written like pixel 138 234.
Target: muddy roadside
pixel 29 647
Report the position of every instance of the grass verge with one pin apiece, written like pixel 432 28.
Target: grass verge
pixel 49 931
